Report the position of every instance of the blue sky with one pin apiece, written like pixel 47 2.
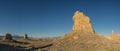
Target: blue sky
pixel 49 18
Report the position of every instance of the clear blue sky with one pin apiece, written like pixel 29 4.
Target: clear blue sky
pixel 49 18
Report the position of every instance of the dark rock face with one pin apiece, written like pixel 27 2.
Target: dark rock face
pixel 8 36
pixel 25 36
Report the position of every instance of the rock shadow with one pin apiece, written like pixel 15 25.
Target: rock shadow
pixel 41 47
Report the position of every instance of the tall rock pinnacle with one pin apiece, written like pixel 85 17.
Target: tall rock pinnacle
pixel 82 23
pixel 8 36
pixel 112 34
pixel 25 36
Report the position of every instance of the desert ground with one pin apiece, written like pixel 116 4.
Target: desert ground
pixel 65 43
pixel 25 45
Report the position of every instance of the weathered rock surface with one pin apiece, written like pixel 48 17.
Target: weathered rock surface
pixel 113 35
pixel 83 38
pixel 82 23
pixel 8 36
pixel 118 36
pixel 25 36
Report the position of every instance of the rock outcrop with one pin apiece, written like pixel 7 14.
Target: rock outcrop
pixel 81 26
pixel 8 36
pixel 25 36
pixel 118 36
pixel 83 37
pixel 112 35
pixel 82 23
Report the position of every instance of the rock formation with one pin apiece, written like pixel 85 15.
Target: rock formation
pixel 8 36
pixel 112 34
pixel 118 36
pixel 81 26
pixel 25 36
pixel 82 23
pixel 82 37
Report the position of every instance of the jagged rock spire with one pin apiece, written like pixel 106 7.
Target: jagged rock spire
pixel 82 23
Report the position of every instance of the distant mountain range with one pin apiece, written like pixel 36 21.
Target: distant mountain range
pixel 15 36
pixel 19 37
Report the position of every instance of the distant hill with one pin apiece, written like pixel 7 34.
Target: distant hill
pixel 14 36
pixel 19 37
pixel 1 37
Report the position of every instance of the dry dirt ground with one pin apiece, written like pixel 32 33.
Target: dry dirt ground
pixel 84 43
pixel 67 42
pixel 25 45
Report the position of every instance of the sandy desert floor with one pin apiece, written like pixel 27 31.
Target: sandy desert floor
pixel 25 45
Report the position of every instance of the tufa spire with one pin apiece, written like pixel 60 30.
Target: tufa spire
pixel 82 23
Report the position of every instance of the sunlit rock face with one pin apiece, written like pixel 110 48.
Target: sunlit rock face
pixel 82 23
pixel 112 34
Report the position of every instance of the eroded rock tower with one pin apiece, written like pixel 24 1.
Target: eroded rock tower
pixel 82 23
